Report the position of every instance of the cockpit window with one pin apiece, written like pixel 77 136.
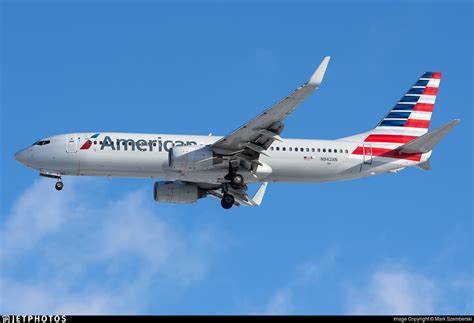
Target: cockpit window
pixel 42 142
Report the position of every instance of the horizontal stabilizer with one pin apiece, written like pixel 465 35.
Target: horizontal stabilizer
pixel 426 142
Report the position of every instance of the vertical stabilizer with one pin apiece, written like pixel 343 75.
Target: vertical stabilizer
pixel 407 120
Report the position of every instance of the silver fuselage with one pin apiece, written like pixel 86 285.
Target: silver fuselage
pixel 146 155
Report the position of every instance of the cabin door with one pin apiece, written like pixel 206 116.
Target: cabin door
pixel 71 144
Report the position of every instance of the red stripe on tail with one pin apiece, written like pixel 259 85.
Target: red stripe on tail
pixel 430 91
pixel 424 107
pixel 417 123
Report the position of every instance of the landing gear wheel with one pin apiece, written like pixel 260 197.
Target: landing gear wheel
pixel 237 181
pixel 227 201
pixel 59 185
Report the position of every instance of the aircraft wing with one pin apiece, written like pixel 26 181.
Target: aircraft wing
pixel 259 133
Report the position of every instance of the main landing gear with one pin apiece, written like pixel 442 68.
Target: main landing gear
pixel 227 201
pixel 236 181
pixel 59 184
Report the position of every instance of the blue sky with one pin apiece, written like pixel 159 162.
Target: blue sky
pixel 388 244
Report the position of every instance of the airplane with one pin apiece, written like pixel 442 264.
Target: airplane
pixel 193 167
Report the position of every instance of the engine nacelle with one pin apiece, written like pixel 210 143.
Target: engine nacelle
pixel 185 158
pixel 177 192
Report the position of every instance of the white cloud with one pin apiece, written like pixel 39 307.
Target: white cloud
pixel 280 303
pixel 65 253
pixel 308 273
pixel 36 213
pixel 394 291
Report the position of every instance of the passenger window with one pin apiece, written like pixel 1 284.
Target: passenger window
pixel 347 151
pixel 340 150
pixel 307 149
pixel 324 150
pixel 296 149
pixel 301 149
pixel 129 143
pixel 95 142
pixel 284 149
pixel 319 150
pixel 100 142
pixel 271 148
pixel 335 151
pixel 329 151
pixel 290 149
pixel 278 148
pixel 312 149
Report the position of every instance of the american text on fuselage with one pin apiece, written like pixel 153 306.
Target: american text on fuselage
pixel 142 144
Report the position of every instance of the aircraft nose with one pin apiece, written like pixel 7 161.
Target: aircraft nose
pixel 21 156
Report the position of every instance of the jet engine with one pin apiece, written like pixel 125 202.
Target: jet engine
pixel 177 192
pixel 185 158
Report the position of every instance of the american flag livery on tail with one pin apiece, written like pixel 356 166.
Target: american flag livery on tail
pixel 407 120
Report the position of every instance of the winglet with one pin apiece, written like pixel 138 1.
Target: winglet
pixel 258 197
pixel 318 75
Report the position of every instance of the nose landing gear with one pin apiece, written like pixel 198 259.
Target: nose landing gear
pixel 59 185
pixel 53 174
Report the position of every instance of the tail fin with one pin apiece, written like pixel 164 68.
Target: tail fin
pixel 406 121
pixel 411 116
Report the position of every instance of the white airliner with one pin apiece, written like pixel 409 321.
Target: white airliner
pixel 198 166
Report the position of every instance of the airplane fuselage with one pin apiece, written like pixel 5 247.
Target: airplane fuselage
pixel 147 156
